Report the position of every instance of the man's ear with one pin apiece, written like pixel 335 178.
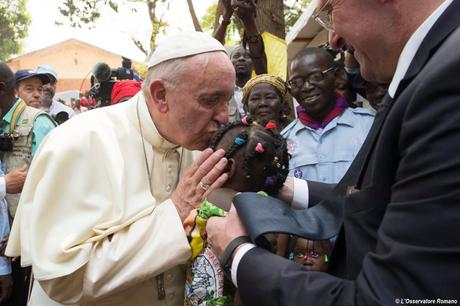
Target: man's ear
pixel 158 93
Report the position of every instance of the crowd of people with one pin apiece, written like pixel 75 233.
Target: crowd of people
pixel 214 182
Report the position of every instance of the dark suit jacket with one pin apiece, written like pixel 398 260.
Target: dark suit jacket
pixel 400 237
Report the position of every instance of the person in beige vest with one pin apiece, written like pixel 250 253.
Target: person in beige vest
pixel 101 217
pixel 26 124
pixel 23 130
pixel 11 183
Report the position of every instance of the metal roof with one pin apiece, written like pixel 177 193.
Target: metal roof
pixel 306 32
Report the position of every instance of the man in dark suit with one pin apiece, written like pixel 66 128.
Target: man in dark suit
pixel 399 239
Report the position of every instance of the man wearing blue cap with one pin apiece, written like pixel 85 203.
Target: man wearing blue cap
pixel 12 182
pixel 19 143
pixel 48 104
pixel 29 86
pixel 30 125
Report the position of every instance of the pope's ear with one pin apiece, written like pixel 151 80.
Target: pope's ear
pixel 3 89
pixel 158 93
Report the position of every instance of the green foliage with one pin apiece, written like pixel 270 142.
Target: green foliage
pixel 207 24
pixel 207 21
pixel 292 11
pixel 84 12
pixel 14 23
pixel 81 13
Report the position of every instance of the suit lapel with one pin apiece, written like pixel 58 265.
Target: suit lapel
pixel 352 178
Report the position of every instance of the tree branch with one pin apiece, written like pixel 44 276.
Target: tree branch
pixel 140 46
pixel 196 23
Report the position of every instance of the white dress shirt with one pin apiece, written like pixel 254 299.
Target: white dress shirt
pixel 412 46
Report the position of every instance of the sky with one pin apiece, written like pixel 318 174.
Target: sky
pixel 113 31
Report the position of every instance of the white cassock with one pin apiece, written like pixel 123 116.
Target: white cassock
pixel 87 221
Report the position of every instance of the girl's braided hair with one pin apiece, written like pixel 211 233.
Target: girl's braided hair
pixel 253 139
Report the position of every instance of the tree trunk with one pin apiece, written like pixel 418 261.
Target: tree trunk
pixel 219 11
pixel 196 23
pixel 270 17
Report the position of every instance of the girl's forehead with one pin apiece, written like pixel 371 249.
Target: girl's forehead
pixel 310 244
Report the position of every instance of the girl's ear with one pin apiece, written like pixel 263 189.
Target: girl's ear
pixel 230 167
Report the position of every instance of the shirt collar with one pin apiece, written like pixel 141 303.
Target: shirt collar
pixel 412 45
pixel 346 118
pixel 8 116
pixel 149 129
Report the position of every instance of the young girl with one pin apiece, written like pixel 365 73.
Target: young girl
pixel 313 255
pixel 257 161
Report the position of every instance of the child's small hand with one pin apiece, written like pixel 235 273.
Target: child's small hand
pixel 286 193
pixel 189 223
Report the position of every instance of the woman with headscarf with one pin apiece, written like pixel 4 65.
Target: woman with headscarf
pixel 266 98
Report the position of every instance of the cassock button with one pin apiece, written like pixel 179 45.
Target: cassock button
pixel 168 188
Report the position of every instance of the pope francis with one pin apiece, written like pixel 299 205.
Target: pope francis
pixel 100 217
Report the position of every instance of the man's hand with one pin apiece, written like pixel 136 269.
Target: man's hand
pixel 6 286
pixel 14 180
pixel 228 9
pixel 222 230
pixel 245 9
pixel 203 176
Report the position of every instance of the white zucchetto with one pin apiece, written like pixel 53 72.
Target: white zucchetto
pixel 184 44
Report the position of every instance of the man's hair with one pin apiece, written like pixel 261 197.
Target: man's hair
pixel 318 52
pixel 172 71
pixel 251 138
pixel 233 50
pixel 7 76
